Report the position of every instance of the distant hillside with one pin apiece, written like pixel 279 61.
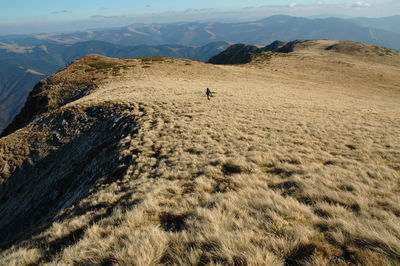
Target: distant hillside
pixel 386 23
pixel 23 66
pixel 242 53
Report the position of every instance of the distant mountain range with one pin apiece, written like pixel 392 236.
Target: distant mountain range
pixel 262 32
pixel 28 58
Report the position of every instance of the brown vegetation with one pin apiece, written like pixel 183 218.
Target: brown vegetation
pixel 295 160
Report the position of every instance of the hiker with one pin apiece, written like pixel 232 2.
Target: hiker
pixel 208 93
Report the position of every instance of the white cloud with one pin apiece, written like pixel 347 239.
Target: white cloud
pixel 292 4
pixel 361 4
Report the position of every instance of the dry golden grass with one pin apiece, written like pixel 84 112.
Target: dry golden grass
pixel 295 160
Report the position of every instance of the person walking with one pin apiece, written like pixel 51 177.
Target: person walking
pixel 208 93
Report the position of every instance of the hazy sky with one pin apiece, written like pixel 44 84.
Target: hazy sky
pixel 24 16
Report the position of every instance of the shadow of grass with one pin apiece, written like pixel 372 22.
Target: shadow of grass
pixel 173 222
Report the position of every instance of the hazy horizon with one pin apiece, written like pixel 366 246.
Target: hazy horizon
pixel 27 17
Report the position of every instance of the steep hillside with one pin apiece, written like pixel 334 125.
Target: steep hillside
pixel 293 161
pixel 235 54
pixel 244 53
pixel 14 88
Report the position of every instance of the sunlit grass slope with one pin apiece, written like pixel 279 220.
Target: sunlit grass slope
pixel 295 160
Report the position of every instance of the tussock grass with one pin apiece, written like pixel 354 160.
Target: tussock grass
pixel 291 167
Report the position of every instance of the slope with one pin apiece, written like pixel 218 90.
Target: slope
pixel 294 160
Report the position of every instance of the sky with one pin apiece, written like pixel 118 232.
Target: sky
pixel 28 16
